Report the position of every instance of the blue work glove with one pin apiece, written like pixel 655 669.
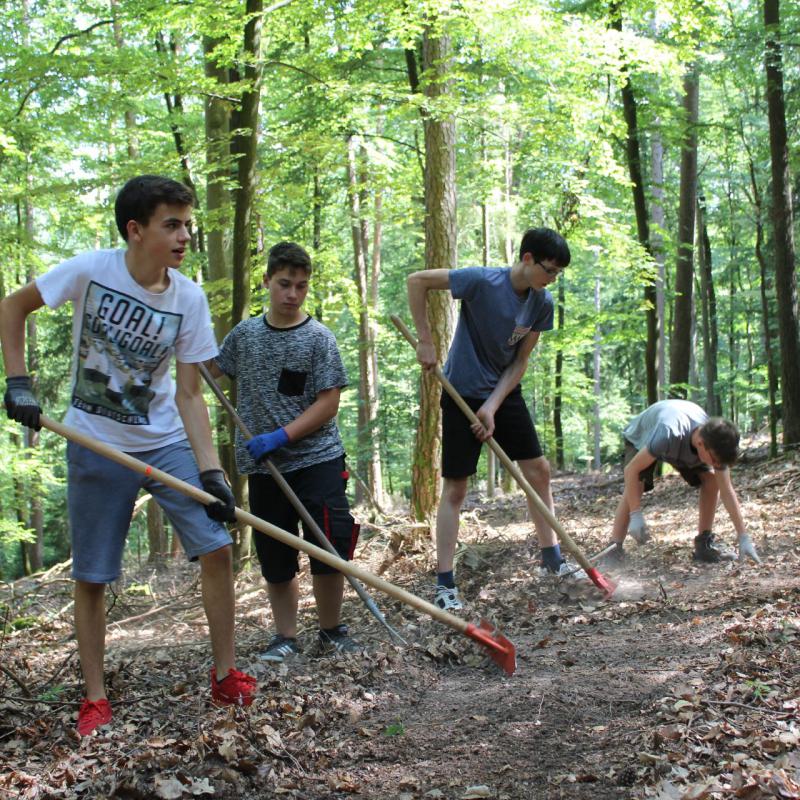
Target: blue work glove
pixel 21 404
pixel 262 445
pixel 215 482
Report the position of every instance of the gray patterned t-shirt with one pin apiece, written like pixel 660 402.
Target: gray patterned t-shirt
pixel 279 372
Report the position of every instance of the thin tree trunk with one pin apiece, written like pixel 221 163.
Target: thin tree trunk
pixel 633 153
pixel 782 217
pixel 766 316
pixel 657 244
pixel 156 533
pixel 598 339
pixel 681 339
pixel 368 456
pixel 558 426
pixel 709 312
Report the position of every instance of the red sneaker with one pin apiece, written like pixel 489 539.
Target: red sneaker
pixel 235 689
pixel 92 715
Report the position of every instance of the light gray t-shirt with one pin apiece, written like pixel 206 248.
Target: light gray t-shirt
pixel 665 429
pixel 279 372
pixel 492 322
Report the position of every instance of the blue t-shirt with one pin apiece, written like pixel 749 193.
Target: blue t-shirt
pixel 492 322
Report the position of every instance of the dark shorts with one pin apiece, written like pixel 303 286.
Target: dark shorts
pixel 690 475
pixel 513 431
pixel 321 489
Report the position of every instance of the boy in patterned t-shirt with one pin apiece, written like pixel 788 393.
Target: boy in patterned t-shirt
pixel 289 376
pixel 133 312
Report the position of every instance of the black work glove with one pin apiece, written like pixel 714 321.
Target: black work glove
pixel 21 405
pixel 215 482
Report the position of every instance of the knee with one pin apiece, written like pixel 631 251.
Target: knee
pixel 538 471
pixel 453 493
pixel 218 560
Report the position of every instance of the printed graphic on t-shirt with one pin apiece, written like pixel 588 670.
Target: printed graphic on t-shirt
pixel 122 343
pixel 520 332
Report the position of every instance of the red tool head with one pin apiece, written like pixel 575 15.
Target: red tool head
pixel 606 586
pixel 501 650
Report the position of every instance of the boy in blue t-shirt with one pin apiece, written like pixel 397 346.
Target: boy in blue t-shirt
pixel 503 312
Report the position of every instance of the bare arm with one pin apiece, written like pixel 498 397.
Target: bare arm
pixel 633 495
pixel 324 408
pixel 729 499
pixel 419 284
pixel 211 366
pixel 14 310
pixel 194 413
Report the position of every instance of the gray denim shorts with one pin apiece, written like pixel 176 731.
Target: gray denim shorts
pixel 100 498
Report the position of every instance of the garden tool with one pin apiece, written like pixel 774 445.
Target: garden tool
pixel 498 647
pixel 308 521
pixel 604 584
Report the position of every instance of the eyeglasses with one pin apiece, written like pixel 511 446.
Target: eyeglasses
pixel 550 270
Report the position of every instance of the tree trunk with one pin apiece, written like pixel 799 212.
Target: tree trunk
pixel 681 339
pixel 598 340
pixel 368 456
pixel 709 312
pixel 156 533
pixel 219 217
pixel 766 315
pixel 782 217
pixel 657 244
pixel 633 154
pixel 440 252
pixel 558 426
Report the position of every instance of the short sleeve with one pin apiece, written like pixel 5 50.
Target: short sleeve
pixel 227 357
pixel 464 282
pixel 196 341
pixel 63 282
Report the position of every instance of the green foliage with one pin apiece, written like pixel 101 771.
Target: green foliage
pixel 540 141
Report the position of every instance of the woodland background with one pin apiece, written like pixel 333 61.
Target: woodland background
pixel 660 138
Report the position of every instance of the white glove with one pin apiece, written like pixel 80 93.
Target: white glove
pixel 637 527
pixel 747 549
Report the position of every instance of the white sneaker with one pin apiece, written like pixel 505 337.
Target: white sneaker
pixel 565 571
pixel 447 599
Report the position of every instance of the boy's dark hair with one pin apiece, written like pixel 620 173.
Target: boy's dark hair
pixel 545 243
pixel 721 437
pixel 287 255
pixel 140 196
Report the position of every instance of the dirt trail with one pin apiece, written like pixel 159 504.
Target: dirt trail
pixel 690 688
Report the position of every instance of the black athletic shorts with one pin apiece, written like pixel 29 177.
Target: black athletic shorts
pixel 321 489
pixel 691 475
pixel 513 430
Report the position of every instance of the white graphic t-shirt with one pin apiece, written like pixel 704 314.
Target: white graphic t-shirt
pixel 124 338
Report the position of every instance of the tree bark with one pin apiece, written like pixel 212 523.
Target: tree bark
pixel 657 244
pixel 156 533
pixel 440 252
pixel 634 159
pixel 681 339
pixel 782 218
pixel 368 456
pixel 558 425
pixel 709 312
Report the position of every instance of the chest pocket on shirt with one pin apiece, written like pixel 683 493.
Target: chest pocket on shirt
pixel 292 382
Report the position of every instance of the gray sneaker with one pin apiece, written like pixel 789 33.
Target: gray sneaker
pixel 337 641
pixel 565 571
pixel 279 649
pixel 447 599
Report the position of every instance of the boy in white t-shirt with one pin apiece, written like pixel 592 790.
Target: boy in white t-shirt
pixel 132 313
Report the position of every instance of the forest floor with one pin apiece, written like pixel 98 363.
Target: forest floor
pixel 686 684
